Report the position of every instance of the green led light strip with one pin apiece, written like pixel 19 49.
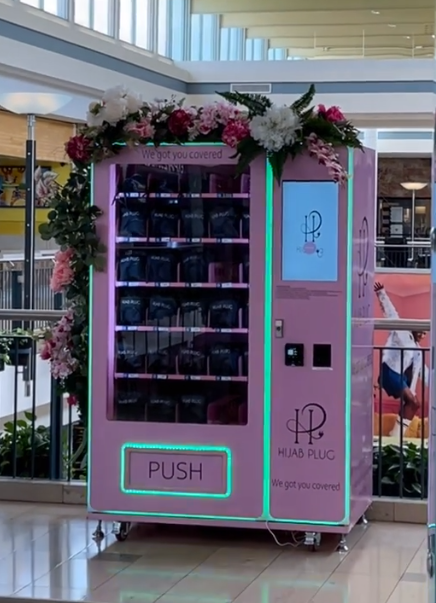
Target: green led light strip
pixel 90 374
pixel 125 448
pixel 267 334
pixel 268 343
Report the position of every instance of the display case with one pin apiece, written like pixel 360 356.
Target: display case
pixel 177 353
pixel 231 352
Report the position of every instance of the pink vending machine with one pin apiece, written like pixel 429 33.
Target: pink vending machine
pixel 231 353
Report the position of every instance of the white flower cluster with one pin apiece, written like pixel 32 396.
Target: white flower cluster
pixel 116 104
pixel 276 128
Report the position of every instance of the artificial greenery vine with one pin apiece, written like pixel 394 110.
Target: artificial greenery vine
pixel 71 224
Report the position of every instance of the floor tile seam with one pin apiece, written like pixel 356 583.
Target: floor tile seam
pixel 185 576
pixel 91 589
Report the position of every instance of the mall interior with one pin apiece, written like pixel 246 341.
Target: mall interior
pixel 227 191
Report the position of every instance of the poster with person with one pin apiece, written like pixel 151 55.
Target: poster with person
pixel 401 358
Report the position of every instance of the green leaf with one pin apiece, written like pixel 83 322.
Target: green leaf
pixel 303 103
pixel 277 162
pixel 29 416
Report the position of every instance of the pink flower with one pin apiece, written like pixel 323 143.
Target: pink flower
pixel 57 348
pixel 46 350
pixel 332 114
pixel 79 149
pixel 63 273
pixel 326 155
pixel 235 131
pixel 141 129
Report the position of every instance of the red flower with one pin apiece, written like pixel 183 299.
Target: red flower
pixel 179 122
pixel 79 149
pixel 235 131
pixel 332 114
pixel 72 400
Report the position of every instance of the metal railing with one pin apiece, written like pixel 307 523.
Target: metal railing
pixel 401 415
pixel 403 255
pixel 40 435
pixel 11 286
pixel 38 430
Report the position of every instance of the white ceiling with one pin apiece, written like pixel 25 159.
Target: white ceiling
pixel 333 28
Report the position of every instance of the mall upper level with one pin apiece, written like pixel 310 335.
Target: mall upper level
pixel 191 49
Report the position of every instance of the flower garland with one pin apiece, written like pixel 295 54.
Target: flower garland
pixel 250 124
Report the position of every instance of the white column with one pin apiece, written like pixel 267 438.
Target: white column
pixel 370 139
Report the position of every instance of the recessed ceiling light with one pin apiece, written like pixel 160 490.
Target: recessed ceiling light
pixel 375 12
pixel 418 47
pixel 433 36
pixel 407 37
pixel 391 25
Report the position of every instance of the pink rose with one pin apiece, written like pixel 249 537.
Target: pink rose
pixel 332 114
pixel 63 273
pixel 234 132
pixel 141 129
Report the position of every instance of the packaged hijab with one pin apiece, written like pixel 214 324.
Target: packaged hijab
pixel 193 409
pixel 246 269
pixel 224 361
pixel 245 224
pixel 164 223
pixel 161 362
pixel 133 221
pixel 224 223
pixel 129 406
pixel 128 359
pixel 161 268
pixel 224 314
pixel 132 310
pixel 131 267
pixel 161 409
pixel 193 223
pixel 191 362
pixel 194 268
pixel 192 313
pixel 161 308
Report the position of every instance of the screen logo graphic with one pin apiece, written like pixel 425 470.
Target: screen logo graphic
pixel 308 421
pixel 311 228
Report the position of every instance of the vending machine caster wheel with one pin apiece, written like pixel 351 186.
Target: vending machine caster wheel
pixel 312 540
pixel 342 546
pixel 121 530
pixel 363 521
pixel 98 535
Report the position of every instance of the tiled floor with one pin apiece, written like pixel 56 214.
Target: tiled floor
pixel 47 552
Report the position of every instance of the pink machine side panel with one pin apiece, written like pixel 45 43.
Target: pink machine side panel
pixel 364 206
pixel 308 473
pixel 107 437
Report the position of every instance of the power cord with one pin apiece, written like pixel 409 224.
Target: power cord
pixel 296 542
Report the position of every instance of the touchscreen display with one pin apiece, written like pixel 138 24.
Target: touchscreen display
pixel 310 231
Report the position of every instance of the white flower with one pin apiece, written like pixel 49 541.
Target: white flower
pixel 115 110
pixel 134 102
pixel 114 94
pixel 277 128
pixel 94 117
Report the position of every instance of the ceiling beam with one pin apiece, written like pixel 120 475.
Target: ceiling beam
pixel 410 17
pixel 339 31
pixel 249 6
